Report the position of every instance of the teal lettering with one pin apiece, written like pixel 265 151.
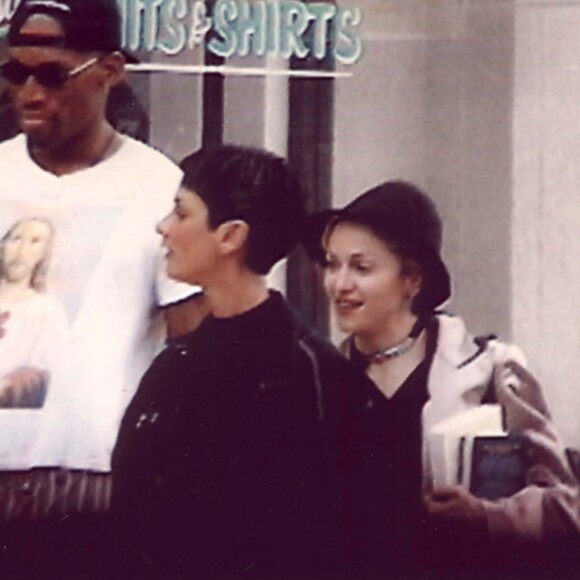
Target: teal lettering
pixel 151 23
pixel 200 24
pixel 142 15
pixel 174 39
pixel 251 28
pixel 124 20
pixel 239 27
pixel 273 23
pixel 225 12
pixel 348 46
pixel 132 12
pixel 322 14
pixel 294 19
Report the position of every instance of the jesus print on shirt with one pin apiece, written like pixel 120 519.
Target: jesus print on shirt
pixel 46 262
pixel 34 325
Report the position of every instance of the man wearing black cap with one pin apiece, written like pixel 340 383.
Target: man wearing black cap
pixel 103 193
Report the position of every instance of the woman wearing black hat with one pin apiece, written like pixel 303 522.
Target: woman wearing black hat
pixel 385 279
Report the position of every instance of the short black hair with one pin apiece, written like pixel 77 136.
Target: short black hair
pixel 252 185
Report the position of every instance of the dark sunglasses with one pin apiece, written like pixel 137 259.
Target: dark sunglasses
pixel 50 75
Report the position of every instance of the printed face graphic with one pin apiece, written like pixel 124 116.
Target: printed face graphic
pixel 24 249
pixel 192 246
pixel 364 280
pixel 52 116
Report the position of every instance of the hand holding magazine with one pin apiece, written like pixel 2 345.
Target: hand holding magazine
pixel 477 466
pixel 473 450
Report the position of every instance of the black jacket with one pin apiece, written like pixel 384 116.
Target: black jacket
pixel 233 454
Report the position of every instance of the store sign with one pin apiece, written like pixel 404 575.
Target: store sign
pixel 244 27
pixel 237 27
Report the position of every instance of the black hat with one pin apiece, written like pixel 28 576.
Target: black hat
pixel 399 214
pixel 89 25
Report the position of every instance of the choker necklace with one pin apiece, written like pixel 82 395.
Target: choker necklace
pixel 400 349
pixel 380 356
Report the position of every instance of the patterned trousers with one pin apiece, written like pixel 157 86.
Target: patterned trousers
pixel 52 493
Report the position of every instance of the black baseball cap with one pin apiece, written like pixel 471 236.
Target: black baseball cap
pixel 89 25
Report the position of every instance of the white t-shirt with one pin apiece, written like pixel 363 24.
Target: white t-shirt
pixel 105 268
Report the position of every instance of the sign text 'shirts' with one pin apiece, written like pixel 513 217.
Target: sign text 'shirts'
pixel 244 27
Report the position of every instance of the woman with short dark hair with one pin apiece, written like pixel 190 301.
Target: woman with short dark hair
pixel 226 459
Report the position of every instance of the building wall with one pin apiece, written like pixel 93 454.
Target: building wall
pixel 546 210
pixel 431 103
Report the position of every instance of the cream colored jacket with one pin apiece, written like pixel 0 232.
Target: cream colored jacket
pixel 461 372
